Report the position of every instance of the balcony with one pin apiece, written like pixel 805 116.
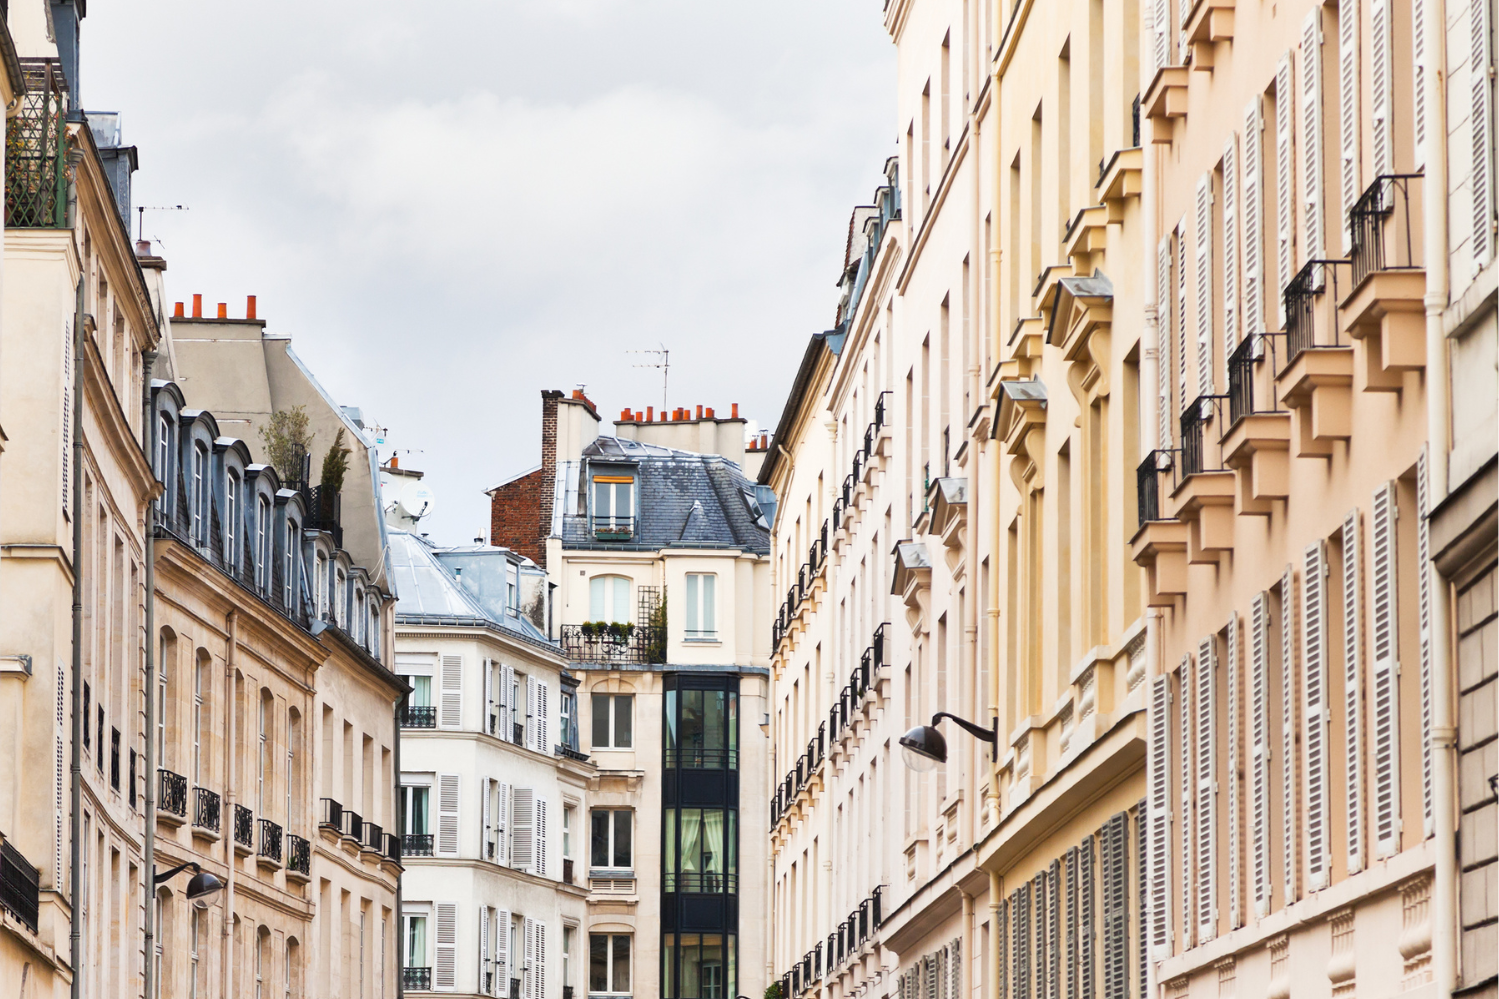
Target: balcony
pixel 20 892
pixel 1160 545
pixel 374 838
pixel 206 810
pixel 641 645
pixel 298 858
pixel 332 816
pixel 1385 312
pixel 416 979
pixel 171 796
pixel 324 511
pixel 570 753
pixel 418 716
pixel 353 826
pixel 1316 382
pixel 270 843
pixel 392 850
pixel 36 151
pixel 416 845
pixel 612 528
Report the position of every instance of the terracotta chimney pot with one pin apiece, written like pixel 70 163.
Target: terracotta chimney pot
pixel 223 310
pixel 250 307
pixel 197 306
pixel 177 312
pixel 734 412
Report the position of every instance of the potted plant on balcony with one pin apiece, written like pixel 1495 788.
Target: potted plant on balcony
pixel 620 631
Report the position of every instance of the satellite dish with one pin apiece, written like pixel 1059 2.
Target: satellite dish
pixel 415 500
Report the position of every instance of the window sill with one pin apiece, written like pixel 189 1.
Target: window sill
pixel 611 872
pixel 702 641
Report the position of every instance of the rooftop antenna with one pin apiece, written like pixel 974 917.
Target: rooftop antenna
pixel 664 364
pixel 141 228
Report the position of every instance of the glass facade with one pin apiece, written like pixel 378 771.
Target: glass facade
pixel 699 966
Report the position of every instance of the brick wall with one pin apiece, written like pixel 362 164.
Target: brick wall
pixel 520 511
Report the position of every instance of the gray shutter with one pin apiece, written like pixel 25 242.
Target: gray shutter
pixel 1002 947
pixel 1071 943
pixel 1418 78
pixel 1116 952
pixel 1054 930
pixel 1481 122
pixel 1043 963
pixel 1022 916
pixel 1087 895
pixel 1353 689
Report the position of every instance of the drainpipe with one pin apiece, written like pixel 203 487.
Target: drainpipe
pixel 231 626
pixel 963 965
pixel 1444 916
pixel 148 360
pixel 75 777
pixel 996 942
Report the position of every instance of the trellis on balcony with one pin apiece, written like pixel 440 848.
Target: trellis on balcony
pixel 36 150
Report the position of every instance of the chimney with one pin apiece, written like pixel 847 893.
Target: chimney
pixel 537 544
pixel 223 310
pixel 624 415
pixel 699 411
pixel 197 306
pixel 142 247
pixel 734 412
pixel 710 412
pixel 650 414
pixel 395 459
pixel 250 307
pixel 177 312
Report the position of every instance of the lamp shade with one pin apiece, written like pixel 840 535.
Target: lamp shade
pixel 203 889
pixel 923 748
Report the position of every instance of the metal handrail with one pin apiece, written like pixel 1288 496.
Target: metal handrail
pixel 1194 420
pixel 206 806
pixel 171 795
pixel 1300 297
pixel 1385 200
pixel 1147 483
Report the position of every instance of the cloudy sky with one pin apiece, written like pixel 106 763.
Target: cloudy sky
pixel 452 206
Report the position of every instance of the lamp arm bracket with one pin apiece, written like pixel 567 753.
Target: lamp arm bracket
pixel 166 876
pixel 989 735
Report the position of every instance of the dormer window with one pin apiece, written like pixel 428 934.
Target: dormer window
pixel 338 596
pixel 263 543
pixel 200 494
pixel 320 585
pixel 613 507
pixel 233 517
pixel 164 460
pixel 289 573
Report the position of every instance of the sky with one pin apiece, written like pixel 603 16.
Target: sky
pixel 451 206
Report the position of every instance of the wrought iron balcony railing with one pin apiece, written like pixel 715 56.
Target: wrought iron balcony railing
pixel 1194 422
pixel 374 837
pixel 171 793
pixel 1316 282
pixel 691 758
pixel 1148 484
pixel 353 827
pixel 1379 227
pixel 298 855
pixel 701 882
pixel 20 891
pixel 418 716
pixel 393 847
pixel 36 150
pixel 244 826
pixel 641 646
pixel 416 979
pixel 270 840
pixel 416 845
pixel 206 809
pixel 1241 362
pixel 612 528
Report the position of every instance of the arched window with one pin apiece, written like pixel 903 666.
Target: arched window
pixel 290 973
pixel 609 599
pixel 160 916
pixel 262 939
pixel 233 517
pixel 196 942
pixel 200 494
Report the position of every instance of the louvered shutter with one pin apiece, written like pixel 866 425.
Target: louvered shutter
pixel 528 974
pixel 531 714
pixel 486 824
pixel 67 418
pixel 1204 263
pixel 1259 738
pixel 1184 821
pixel 523 828
pixel 1349 124
pixel 507 693
pixel 1181 313
pixel 1087 903
pixel 1252 192
pixel 1160 809
pixel 484 950
pixel 502 824
pixel 447 814
pixel 1142 896
pixel 955 972
pixel 490 721
pixel 1163 328
pixel 1386 655
pixel 1072 918
pixel 1183 15
pixel 1116 952
pixel 1285 185
pixel 929 976
pixel 1022 910
pixel 1162 30
pixel 541 960
pixel 445 966
pixel 1423 620
pixel 1043 964
pixel 1353 689
pixel 1230 246
pixel 1207 791
pixel 1314 680
pixel 1002 948
pixel 1418 78
pixel 1054 930
pixel 543 717
pixel 541 838
pixel 451 692
pixel 1481 122
pixel 1382 97
pixel 1289 697
pixel 502 953
pixel 1235 756
pixel 1311 133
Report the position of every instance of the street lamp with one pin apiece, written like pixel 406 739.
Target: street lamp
pixel 924 747
pixel 201 890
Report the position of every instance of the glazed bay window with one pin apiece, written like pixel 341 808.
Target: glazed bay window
pixel 699 966
pixel 702 729
pixel 609 847
pixel 701 621
pixel 608 964
pixel 613 507
pixel 700 850
pixel 613 721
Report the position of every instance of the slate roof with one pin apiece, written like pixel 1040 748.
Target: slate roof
pixel 683 499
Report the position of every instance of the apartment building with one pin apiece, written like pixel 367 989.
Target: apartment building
pixel 657 557
pixel 1319 180
pixel 492 783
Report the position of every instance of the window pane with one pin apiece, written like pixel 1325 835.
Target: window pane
pixel 670 835
pixel 733 727
pixel 713 721
pixel 419 810
pixel 421 694
pixel 670 954
pixel 601 497
pixel 621 600
pixel 598 963
pixel 671 721
pixel 624 720
pixel 713 844
pixel 596 591
pixel 731 842
pixel 692 616
pixel 599 848
pixel 622 838
pixel 708 624
pixel 692 844
pixel 621 964
pixel 600 720
pixel 692 728
pixel 623 499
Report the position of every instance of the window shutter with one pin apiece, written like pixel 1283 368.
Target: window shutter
pixel 502 824
pixel 543 716
pixel 1290 800
pixel 1023 942
pixel 1254 224
pixel 955 972
pixel 1230 246
pixel 67 419
pixel 484 950
pixel 1418 74
pixel 489 707
pixel 507 684
pixel 528 973
pixel 1386 674
pixel 1181 313
pixel 1002 946
pixel 1054 930
pixel 1184 822
pixel 1349 123
pixel 1423 619
pixel 929 974
pixel 1353 689
pixel 1072 919
pixel 1116 906
pixel 1142 903
pixel 1481 121
pixel 1204 264
pixel 1311 132
pixel 452 692
pixel 1207 791
pixel 1259 740
pixel 445 968
pixel 1314 667
pixel 531 714
pixel 1235 757
pixel 541 838
pixel 1040 908
pixel 502 953
pixel 1285 185
pixel 1160 808
pixel 485 851
pixel 1162 40
pixel 447 814
pixel 523 828
pixel 1382 94
pixel 1087 894
pixel 1163 328
pixel 541 960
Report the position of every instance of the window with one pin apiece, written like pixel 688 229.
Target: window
pixel 705 733
pixel 164 460
pixel 608 963
pixel 286 970
pixel 610 847
pixel 289 573
pixel 200 494
pixel 567 842
pixel 320 585
pixel 414 801
pixel 263 543
pixel 613 504
pixel 161 904
pixel 416 941
pixel 339 579
pixel 264 762
pixel 700 605
pixel 569 709
pixel 259 969
pixel 231 519
pixel 700 850
pixel 567 957
pixel 609 599
pixel 161 702
pixel 196 915
pixel 613 721
pixel 699 966
pixel 200 686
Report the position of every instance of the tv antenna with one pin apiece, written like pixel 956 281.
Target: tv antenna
pixel 664 363
pixel 141 230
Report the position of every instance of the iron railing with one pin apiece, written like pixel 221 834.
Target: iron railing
pixel 416 845
pixel 374 837
pixel 1194 422
pixel 392 848
pixel 114 758
pixel 20 886
pixel 244 826
pixel 270 840
pixel 1301 297
pixel 353 827
pixel 418 716
pixel 298 855
pixel 644 645
pixel 1148 484
pixel 206 809
pixel 701 882
pixel 572 754
pixel 332 815
pixel 695 758
pixel 612 528
pixel 36 140
pixel 416 979
pixel 171 793
pixel 1379 228
pixel 567 870
pixel 1241 376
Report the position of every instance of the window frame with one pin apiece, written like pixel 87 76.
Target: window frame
pixel 618 819
pixel 701 603
pixel 613 719
pixel 611 976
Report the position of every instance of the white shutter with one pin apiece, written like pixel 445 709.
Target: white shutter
pixel 543 715
pixel 1207 791
pixel 1259 741
pixel 67 423
pixel 507 687
pixel 1418 78
pixel 1254 224
pixel 1353 689
pixel 1386 656
pixel 1162 31
pixel 1382 97
pixel 541 838
pixel 451 692
pixel 1204 262
pixel 1230 247
pixel 502 953
pixel 484 950
pixel 531 714
pixel 1423 618
pixel 1285 185
pixel 1181 314
pixel 489 707
pixel 447 815
pixel 445 965
pixel 528 977
pixel 1314 679
pixel 502 825
pixel 1349 123
pixel 541 960
pixel 1159 816
pixel 487 819
pixel 1163 328
pixel 1290 800
pixel 1481 121
pixel 1311 133
pixel 1184 821
pixel 1235 755
pixel 523 828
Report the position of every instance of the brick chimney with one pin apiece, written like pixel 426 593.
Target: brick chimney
pixel 520 511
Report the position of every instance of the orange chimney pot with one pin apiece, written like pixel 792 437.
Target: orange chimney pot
pixel 177 313
pixel 197 306
pixel 735 412
pixel 250 307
